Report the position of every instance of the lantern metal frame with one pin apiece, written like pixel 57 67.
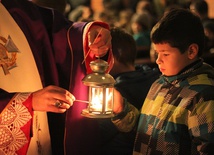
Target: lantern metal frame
pixel 102 84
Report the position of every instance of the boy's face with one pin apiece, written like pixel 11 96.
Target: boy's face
pixel 170 60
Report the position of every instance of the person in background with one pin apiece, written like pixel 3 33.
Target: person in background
pixel 133 82
pixel 104 16
pixel 208 55
pixel 81 13
pixel 124 19
pixel 147 6
pixel 209 33
pixel 58 47
pixel 177 115
pixel 129 76
pixel 200 7
pixel 140 29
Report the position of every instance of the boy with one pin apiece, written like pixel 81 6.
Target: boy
pixel 133 82
pixel 177 116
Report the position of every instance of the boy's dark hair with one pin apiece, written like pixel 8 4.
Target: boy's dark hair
pixel 123 46
pixel 180 28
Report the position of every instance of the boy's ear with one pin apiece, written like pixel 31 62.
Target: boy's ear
pixel 193 51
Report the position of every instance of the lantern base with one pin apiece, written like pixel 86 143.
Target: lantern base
pixel 88 114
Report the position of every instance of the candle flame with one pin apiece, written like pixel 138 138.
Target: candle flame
pixel 97 100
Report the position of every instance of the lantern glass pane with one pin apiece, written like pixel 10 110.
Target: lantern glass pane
pixel 100 100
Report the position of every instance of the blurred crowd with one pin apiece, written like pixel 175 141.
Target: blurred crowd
pixel 137 17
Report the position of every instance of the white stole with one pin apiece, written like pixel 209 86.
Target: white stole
pixel 18 73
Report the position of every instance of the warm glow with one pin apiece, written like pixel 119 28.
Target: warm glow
pixel 109 96
pixel 100 103
pixel 97 99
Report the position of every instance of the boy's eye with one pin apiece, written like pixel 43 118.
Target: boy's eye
pixel 165 54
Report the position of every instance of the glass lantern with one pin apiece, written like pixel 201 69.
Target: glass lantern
pixel 101 91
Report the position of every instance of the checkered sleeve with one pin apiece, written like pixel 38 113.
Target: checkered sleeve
pixel 127 119
pixel 201 122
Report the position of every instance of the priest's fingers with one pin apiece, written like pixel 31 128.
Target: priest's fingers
pixel 52 99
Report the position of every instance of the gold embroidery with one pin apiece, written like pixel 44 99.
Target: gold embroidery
pixel 8 52
pixel 13 117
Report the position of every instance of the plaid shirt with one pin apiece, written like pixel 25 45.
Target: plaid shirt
pixel 177 117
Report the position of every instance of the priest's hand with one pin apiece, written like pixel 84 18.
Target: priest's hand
pixel 52 99
pixel 99 40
